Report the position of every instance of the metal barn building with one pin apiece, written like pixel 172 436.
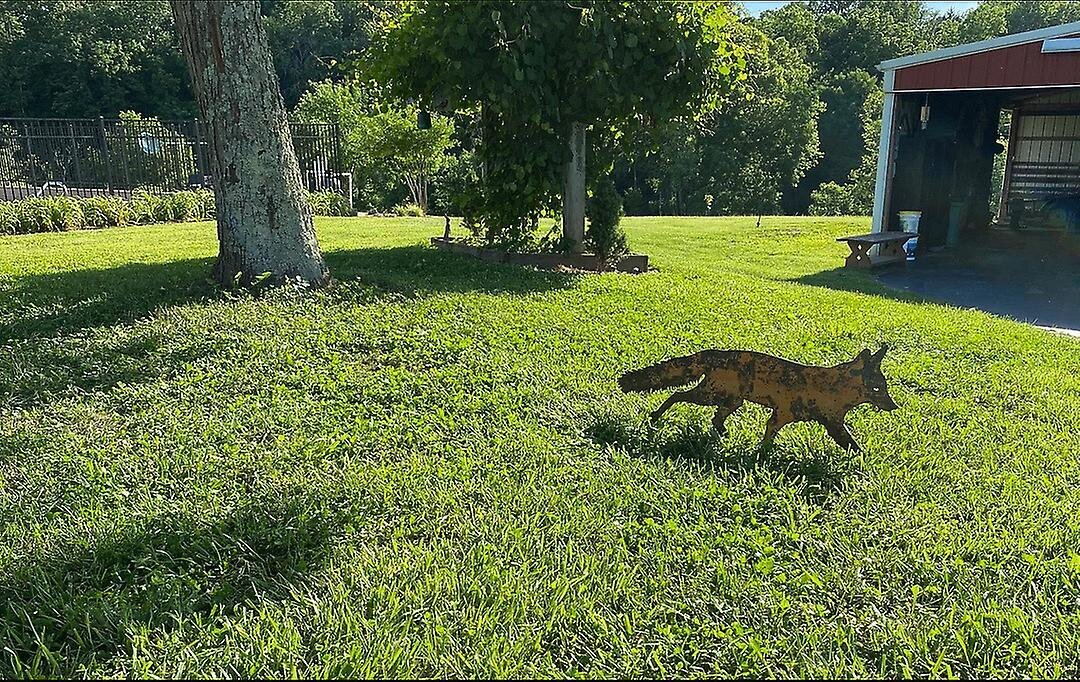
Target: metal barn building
pixel 940 131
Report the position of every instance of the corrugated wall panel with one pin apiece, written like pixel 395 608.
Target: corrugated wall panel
pixel 1018 66
pixel 1046 157
pixel 979 73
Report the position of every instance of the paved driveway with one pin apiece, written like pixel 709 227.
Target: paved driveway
pixel 1028 275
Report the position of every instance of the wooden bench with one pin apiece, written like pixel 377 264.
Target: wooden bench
pixel 891 251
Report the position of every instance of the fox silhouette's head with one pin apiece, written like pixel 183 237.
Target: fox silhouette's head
pixel 876 391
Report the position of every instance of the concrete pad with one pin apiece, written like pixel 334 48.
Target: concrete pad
pixel 1027 275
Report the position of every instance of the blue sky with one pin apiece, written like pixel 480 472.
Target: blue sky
pixel 757 8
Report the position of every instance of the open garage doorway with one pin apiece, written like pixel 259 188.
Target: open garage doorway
pixel 999 224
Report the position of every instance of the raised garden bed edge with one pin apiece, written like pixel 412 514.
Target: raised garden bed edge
pixel 633 263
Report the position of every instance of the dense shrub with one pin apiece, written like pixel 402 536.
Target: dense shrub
pixel 9 219
pixel 45 214
pixel 105 212
pixel 408 209
pixel 329 203
pixel 833 199
pixel 60 214
pixel 181 207
pixel 207 206
pixel 452 183
pixel 604 208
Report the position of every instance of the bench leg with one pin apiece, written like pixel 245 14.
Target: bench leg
pixel 860 255
pixel 893 249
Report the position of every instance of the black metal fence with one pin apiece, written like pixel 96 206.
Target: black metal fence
pixel 90 157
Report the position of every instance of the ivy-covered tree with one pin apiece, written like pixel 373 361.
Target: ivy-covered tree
pixel 532 71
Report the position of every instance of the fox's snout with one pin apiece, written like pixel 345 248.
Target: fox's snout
pixel 885 402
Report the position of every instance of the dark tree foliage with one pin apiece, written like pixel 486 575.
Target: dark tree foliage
pixel 532 70
pixel 76 59
pixel 309 39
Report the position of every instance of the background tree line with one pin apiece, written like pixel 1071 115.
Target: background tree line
pixel 797 135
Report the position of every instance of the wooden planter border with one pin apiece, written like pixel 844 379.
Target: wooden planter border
pixel 634 263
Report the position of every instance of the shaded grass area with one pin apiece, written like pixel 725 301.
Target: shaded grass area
pixel 426 469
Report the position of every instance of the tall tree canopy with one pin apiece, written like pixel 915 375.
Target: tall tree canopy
pixel 61 59
pixel 100 57
pixel 309 39
pixel 815 68
pixel 746 154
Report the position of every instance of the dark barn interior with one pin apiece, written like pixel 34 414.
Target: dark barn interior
pixel 946 170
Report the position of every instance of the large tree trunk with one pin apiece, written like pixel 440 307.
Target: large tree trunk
pixel 263 214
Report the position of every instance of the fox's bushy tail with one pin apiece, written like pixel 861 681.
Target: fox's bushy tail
pixel 666 374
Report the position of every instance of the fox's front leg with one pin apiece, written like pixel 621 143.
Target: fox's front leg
pixel 677 397
pixel 840 433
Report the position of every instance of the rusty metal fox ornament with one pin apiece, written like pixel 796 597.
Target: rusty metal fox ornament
pixel 793 391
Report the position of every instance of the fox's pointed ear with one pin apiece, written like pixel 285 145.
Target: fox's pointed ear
pixel 863 357
pixel 877 357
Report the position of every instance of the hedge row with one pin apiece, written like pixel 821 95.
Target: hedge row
pixel 62 214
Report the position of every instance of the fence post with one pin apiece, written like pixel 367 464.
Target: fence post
pixel 338 166
pixel 105 149
pixel 200 161
pixel 30 154
pixel 74 154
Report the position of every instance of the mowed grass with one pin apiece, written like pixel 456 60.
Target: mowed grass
pixel 427 469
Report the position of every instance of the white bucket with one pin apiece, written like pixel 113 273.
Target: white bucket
pixel 909 222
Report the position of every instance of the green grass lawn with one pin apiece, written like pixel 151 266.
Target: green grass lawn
pixel 428 470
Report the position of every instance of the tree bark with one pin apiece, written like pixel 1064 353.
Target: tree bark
pixel 264 218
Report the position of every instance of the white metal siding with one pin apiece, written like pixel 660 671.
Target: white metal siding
pixel 1048 139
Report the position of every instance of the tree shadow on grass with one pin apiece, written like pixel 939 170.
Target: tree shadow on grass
pixel 43 305
pixel 61 616
pixel 419 270
pixel 819 476
pixel 44 370
pixel 43 315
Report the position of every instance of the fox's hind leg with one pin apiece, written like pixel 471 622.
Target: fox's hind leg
pixel 724 408
pixel 777 421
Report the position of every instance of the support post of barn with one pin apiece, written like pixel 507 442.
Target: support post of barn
pixel 1010 155
pixel 886 151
